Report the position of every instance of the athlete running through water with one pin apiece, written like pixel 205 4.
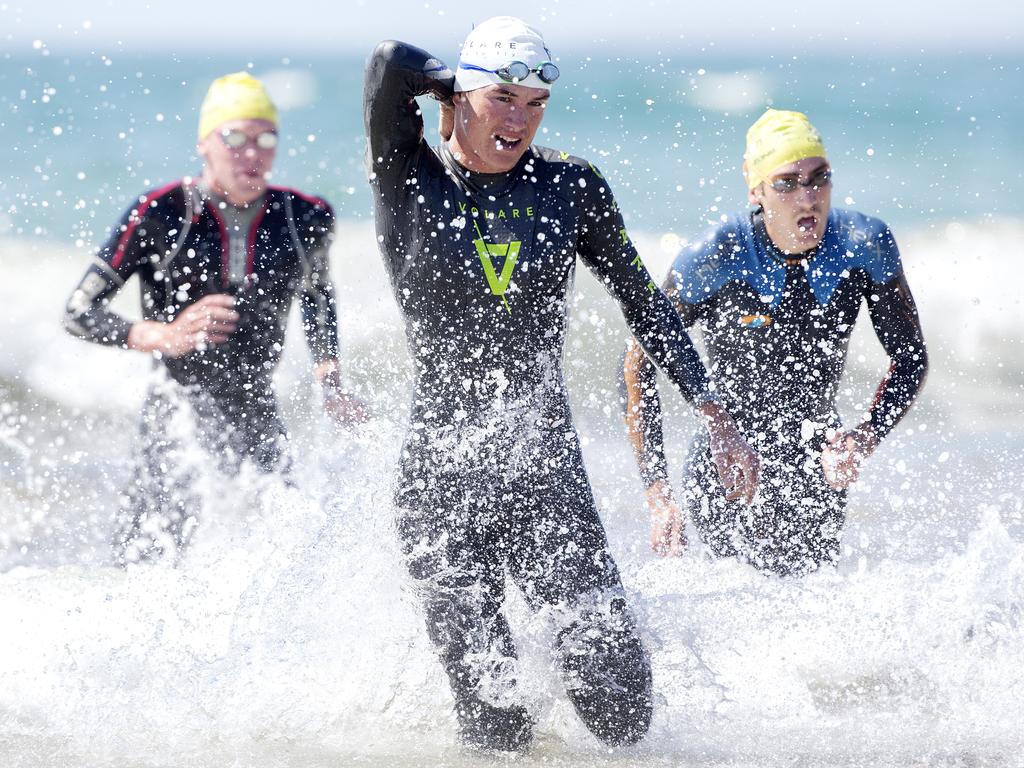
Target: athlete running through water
pixel 775 293
pixel 480 237
pixel 220 260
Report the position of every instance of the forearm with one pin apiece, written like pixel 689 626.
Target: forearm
pixel 608 251
pixel 644 416
pixel 320 324
pixel 896 323
pixel 99 326
pixel 661 333
pixel 897 392
pixel 87 316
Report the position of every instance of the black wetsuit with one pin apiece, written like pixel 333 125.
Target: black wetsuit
pixel 491 476
pixel 777 329
pixel 181 244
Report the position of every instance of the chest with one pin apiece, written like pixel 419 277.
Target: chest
pixel 219 254
pixel 511 251
pixel 742 321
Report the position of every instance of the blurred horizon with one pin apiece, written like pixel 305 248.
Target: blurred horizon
pixel 570 26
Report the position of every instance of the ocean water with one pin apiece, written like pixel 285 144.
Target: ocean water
pixel 290 636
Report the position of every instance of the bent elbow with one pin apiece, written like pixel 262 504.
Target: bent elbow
pixel 386 50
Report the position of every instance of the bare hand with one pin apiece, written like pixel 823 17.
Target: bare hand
pixel 211 320
pixel 667 529
pixel 739 467
pixel 842 457
pixel 344 408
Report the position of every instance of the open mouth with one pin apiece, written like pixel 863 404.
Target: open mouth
pixel 807 223
pixel 504 143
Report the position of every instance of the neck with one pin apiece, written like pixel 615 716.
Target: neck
pixel 217 189
pixel 770 243
pixel 777 238
pixel 470 160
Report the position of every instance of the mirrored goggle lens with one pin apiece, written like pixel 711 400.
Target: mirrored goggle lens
pixel 789 184
pixel 548 72
pixel 518 71
pixel 238 139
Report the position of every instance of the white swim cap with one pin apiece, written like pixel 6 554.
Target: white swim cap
pixel 496 43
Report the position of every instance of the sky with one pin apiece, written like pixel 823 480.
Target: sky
pixel 353 26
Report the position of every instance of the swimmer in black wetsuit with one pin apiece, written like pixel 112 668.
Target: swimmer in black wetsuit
pixel 480 237
pixel 775 294
pixel 220 260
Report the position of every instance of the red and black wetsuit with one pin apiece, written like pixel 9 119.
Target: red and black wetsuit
pixel 777 329
pixel 491 477
pixel 184 244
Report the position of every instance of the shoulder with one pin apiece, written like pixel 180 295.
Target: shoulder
pixel 856 228
pixel 721 254
pixel 865 241
pixel 566 165
pixel 306 207
pixel 166 199
pixel 572 178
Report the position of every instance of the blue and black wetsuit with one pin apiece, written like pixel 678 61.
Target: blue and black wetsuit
pixel 183 244
pixel 491 478
pixel 777 329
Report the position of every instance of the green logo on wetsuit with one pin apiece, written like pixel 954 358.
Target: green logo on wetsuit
pixel 508 251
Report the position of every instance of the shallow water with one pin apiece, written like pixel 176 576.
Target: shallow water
pixel 290 637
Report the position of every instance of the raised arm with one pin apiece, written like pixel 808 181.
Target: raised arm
pixel 396 74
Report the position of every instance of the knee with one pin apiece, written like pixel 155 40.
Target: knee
pixel 608 674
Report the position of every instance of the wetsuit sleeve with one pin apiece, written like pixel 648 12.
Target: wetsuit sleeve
pixel 396 74
pixel 607 250
pixel 317 299
pixel 87 313
pixel 643 403
pixel 895 319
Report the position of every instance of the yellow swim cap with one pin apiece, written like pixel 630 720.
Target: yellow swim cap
pixel 238 96
pixel 779 137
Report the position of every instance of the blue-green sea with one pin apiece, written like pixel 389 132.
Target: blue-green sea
pixel 913 137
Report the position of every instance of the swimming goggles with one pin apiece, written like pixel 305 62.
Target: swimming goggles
pixel 517 71
pixel 786 184
pixel 236 139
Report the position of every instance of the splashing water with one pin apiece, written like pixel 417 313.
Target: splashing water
pixel 291 636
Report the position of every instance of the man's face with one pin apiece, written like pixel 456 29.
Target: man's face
pixel 796 219
pixel 496 124
pixel 240 174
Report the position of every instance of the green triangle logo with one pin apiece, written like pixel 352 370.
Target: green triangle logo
pixel 510 252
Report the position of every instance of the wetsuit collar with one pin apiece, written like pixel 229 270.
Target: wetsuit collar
pixel 482 185
pixel 219 200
